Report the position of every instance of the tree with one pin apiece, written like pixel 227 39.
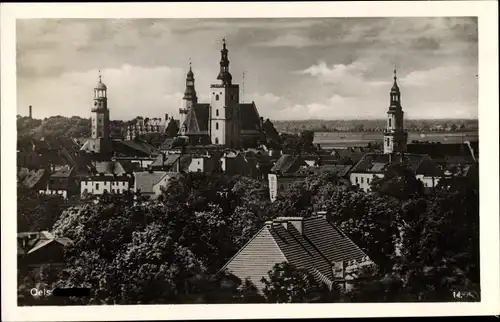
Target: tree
pixel 398 181
pixel 37 212
pixel 288 284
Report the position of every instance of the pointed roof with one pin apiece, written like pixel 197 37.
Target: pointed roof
pixel 288 164
pixel 197 119
pixel 311 243
pixel 395 87
pixel 250 118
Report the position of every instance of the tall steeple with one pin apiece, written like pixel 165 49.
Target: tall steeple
pixel 190 92
pixel 99 141
pixel 189 100
pixel 395 135
pixel 224 74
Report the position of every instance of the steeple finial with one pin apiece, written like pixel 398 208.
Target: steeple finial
pixel 100 76
pixel 224 42
pixel 189 63
pixel 395 77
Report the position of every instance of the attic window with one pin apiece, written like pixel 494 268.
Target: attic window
pixel 217 97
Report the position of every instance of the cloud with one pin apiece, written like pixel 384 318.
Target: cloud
pixel 311 68
pixel 290 40
pixel 132 91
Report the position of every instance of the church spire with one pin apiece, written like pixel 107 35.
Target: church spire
pixel 395 86
pixel 190 92
pixel 224 74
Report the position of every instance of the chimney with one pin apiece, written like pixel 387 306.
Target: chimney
pixel 30 112
pixel 297 222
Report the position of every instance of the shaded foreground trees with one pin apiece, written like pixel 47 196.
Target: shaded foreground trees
pixel 170 250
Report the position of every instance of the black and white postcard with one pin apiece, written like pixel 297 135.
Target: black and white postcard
pixel 200 160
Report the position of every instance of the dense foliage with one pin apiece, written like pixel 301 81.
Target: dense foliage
pixel 170 250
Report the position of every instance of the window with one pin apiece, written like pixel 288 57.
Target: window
pixel 367 180
pixel 216 140
pixel 217 112
pixel 96 186
pixel 216 125
pixel 217 97
pixel 362 180
pixel 390 123
pixel 388 142
pixel 356 179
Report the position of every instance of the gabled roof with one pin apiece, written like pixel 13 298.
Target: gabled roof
pixel 32 178
pixel 197 119
pixel 338 169
pixel 29 242
pixel 330 241
pixel 109 167
pixel 134 148
pixel 288 164
pixel 379 163
pixel 64 172
pixel 145 180
pixel 250 118
pixel 311 243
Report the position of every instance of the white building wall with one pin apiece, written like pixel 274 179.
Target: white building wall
pixel 197 165
pixel 429 182
pixel 163 183
pixel 364 180
pixel 97 187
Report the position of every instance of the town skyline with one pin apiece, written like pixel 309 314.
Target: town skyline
pixel 295 69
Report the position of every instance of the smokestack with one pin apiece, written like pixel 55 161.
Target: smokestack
pixel 30 112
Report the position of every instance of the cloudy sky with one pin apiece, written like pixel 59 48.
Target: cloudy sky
pixel 337 68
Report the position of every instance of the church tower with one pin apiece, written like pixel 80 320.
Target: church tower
pixel 395 136
pixel 189 100
pixel 225 124
pixel 99 133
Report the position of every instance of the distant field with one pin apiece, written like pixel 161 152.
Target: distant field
pixel 347 139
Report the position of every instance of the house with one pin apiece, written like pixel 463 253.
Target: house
pixel 311 243
pixel 234 163
pixel 151 183
pixel 107 176
pixel 63 182
pixel 285 172
pixel 35 249
pixel 374 165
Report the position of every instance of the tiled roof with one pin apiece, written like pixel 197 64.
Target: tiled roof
pixel 311 243
pixel 298 251
pixel 145 180
pixel 33 177
pixel 288 163
pixel 250 119
pixel 378 162
pixel 64 172
pixel 339 169
pixel 109 167
pixel 134 147
pixel 197 119
pixel 165 160
pixel 330 241
pixel 32 241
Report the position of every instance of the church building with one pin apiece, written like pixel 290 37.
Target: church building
pixel 395 135
pixel 99 141
pixel 224 121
